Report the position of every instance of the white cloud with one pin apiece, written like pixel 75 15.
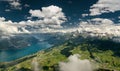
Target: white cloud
pixel 7 10
pixel 97 27
pixel 105 6
pixel 101 27
pixel 15 4
pixel 75 64
pixel 50 22
pixel 35 65
pixel 102 21
pixel 119 17
pixel 2 19
pixel 26 5
pixel 50 19
pixel 50 15
pixel 7 27
pixel 84 15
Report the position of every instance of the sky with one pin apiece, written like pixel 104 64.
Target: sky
pixel 54 14
pixel 72 9
pixel 18 10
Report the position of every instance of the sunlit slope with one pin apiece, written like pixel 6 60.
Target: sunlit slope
pixel 104 52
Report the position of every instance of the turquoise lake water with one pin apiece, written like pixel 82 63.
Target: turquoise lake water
pixel 10 55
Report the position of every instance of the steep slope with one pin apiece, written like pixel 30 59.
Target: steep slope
pixel 103 52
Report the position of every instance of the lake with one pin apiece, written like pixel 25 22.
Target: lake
pixel 10 55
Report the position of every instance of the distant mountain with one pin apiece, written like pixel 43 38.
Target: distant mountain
pixel 58 36
pixel 18 41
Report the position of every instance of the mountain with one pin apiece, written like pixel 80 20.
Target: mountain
pixel 53 35
pixel 18 41
pixel 103 53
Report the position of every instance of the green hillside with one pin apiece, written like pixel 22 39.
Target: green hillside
pixel 104 52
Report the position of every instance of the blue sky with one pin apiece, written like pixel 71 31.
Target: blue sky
pixel 48 15
pixel 71 8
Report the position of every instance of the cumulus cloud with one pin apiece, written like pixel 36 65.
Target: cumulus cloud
pixel 50 15
pixel 95 27
pixel 84 15
pixel 15 4
pixel 75 64
pixel 105 6
pixel 26 5
pixel 7 27
pixel 7 10
pixel 102 21
pixel 50 19
pixel 35 65
pixel 119 17
pixel 2 19
pixel 100 27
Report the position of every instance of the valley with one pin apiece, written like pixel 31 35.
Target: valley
pixel 104 53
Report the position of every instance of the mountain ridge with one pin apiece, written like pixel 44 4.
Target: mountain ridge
pixel 88 49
